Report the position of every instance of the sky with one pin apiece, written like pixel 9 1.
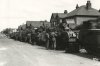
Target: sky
pixel 16 12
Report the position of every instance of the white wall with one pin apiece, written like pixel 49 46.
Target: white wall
pixel 70 21
pixel 79 20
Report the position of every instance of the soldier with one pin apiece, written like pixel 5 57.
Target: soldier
pixel 47 40
pixel 43 38
pixel 33 38
pixel 38 38
pixel 53 40
pixel 29 37
pixel 58 40
pixel 64 40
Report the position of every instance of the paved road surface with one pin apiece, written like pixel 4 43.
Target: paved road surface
pixel 15 53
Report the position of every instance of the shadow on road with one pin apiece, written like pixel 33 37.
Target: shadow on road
pixel 86 55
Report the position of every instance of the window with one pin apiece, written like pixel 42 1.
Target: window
pixel 60 20
pixel 70 21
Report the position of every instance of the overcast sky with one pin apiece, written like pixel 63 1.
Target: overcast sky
pixel 17 12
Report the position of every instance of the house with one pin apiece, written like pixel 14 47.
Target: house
pixel 34 24
pixel 82 13
pixel 22 27
pixel 91 24
pixel 37 24
pixel 57 18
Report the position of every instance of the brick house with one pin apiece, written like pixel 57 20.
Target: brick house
pixel 37 24
pixel 22 27
pixel 57 18
pixel 80 14
pixel 91 24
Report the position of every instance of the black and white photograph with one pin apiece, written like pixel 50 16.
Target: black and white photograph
pixel 49 32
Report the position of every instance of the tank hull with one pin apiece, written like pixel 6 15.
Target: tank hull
pixel 90 40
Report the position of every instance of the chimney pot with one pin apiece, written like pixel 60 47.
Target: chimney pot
pixel 77 6
pixel 65 12
pixel 88 4
pixel 99 10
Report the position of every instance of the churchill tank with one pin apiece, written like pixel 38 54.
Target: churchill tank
pixel 90 40
pixel 89 36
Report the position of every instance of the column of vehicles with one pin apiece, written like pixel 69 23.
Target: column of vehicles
pixel 69 40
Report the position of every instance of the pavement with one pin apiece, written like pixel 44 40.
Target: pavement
pixel 15 53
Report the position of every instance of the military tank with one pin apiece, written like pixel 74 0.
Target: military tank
pixel 72 45
pixel 90 40
pixel 89 36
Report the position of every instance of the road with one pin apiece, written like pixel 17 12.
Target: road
pixel 15 53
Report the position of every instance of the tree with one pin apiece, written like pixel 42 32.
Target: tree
pixel 7 31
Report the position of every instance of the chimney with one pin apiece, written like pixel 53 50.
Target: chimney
pixel 26 25
pixel 65 12
pixel 77 6
pixel 88 4
pixel 21 28
pixel 99 10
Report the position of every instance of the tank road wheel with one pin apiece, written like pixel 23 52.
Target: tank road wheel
pixel 53 45
pixel 72 48
pixel 66 50
pixel 92 50
pixel 47 44
pixel 89 51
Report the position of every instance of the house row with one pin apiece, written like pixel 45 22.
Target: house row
pixel 34 25
pixel 75 17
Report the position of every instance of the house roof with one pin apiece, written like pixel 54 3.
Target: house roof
pixel 34 23
pixel 47 24
pixel 82 10
pixel 60 15
pixel 37 23
pixel 22 27
pixel 54 15
pixel 93 20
